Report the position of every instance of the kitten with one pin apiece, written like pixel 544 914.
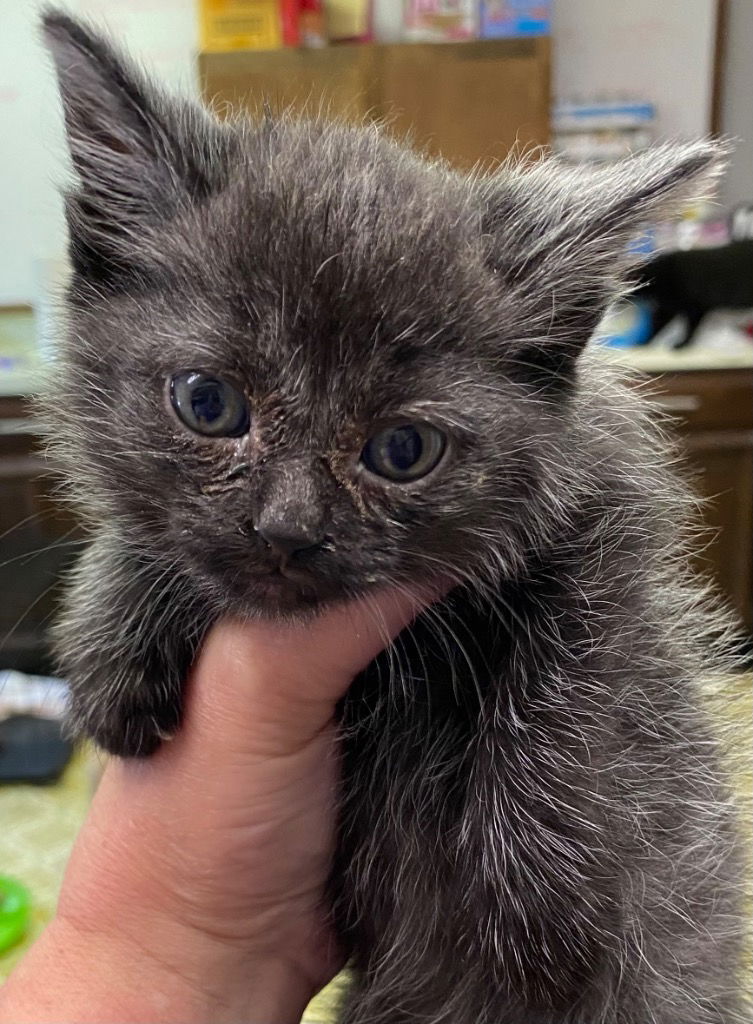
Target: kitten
pixel 302 362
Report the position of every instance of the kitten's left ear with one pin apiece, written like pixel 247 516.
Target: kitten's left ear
pixel 559 237
pixel 138 156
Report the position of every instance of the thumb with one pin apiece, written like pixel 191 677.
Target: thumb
pixel 268 687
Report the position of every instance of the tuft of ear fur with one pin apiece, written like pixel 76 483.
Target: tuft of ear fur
pixel 139 157
pixel 559 236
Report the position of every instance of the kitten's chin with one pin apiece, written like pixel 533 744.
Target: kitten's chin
pixel 279 597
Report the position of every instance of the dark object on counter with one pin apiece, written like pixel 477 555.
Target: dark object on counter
pixel 694 282
pixel 32 749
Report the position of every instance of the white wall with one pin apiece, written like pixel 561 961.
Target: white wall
pixel 737 101
pixel 32 154
pixel 660 50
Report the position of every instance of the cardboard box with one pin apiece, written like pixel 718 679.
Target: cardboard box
pixel 436 21
pixel 228 25
pixel 349 19
pixel 504 19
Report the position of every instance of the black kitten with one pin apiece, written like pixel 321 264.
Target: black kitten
pixel 695 282
pixel 302 362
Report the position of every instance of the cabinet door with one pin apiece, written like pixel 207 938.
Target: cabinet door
pixel 336 80
pixel 713 414
pixel 723 461
pixel 38 540
pixel 468 102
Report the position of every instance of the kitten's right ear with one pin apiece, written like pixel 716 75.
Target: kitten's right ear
pixel 559 235
pixel 139 158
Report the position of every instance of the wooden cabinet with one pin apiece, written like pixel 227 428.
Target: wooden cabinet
pixel 37 542
pixel 469 102
pixel 713 414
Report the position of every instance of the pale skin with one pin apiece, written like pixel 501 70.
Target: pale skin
pixel 195 891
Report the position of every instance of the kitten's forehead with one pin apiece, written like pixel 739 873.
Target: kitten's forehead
pixel 314 209
pixel 333 257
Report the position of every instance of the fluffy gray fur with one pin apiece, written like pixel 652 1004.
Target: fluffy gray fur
pixel 534 828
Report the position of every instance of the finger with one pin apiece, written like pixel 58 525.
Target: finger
pixel 278 682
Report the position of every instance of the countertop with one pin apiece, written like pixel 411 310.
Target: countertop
pixel 702 356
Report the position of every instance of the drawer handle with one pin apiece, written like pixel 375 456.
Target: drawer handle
pixel 679 403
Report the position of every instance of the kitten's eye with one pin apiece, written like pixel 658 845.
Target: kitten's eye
pixel 404 453
pixel 209 405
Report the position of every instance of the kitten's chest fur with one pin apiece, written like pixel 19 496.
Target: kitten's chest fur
pixel 476 802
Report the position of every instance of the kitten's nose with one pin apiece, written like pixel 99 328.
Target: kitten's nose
pixel 293 513
pixel 286 538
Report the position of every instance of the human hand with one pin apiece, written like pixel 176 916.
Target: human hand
pixel 195 890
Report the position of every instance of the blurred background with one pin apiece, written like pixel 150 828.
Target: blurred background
pixel 469 80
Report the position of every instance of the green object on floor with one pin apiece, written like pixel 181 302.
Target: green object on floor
pixel 15 906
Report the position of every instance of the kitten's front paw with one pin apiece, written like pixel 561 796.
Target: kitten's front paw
pixel 125 731
pixel 124 652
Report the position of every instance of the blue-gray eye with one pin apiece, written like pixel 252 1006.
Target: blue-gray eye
pixel 209 405
pixel 404 453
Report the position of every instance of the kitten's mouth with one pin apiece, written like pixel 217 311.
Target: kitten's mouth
pixel 288 590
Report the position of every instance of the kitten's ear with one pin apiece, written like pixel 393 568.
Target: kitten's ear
pixel 139 158
pixel 559 237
